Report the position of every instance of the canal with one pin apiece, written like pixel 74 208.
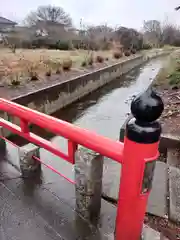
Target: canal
pixel 103 111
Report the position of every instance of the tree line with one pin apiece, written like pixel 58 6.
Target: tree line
pixel 154 33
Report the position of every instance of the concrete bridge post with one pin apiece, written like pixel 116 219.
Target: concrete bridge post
pixel 28 165
pixel 88 178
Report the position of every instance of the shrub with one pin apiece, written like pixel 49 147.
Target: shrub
pixel 32 71
pixel 52 46
pixel 13 42
pixel 27 44
pixel 176 42
pixel 105 45
pixel 127 36
pixel 58 71
pixel 117 55
pixel 178 68
pixel 174 78
pixel 14 80
pixel 133 51
pixel 63 45
pixel 34 76
pixel 146 46
pixel 99 59
pixel 49 43
pixel 76 44
pixel 67 64
pixel 84 63
pixel 48 73
pixel 40 43
pixel 127 53
pixel 89 45
pixel 90 61
pixel 13 48
pixel 56 66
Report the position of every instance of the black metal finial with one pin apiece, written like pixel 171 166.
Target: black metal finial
pixel 147 107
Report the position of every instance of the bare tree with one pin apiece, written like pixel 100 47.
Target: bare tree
pixel 177 8
pixel 171 34
pixel 152 26
pixel 129 38
pixel 49 13
pixel 153 32
pixel 100 33
pixel 100 29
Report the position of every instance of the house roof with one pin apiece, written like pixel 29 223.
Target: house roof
pixel 6 21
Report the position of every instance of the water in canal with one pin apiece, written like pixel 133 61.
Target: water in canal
pixel 103 111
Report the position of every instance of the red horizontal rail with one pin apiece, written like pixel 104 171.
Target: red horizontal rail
pixel 134 156
pixel 31 137
pixel 39 160
pixel 104 146
pixel 54 170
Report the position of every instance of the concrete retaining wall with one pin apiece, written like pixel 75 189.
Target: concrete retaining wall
pixel 53 98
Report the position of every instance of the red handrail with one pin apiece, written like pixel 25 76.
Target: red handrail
pixel 133 154
pixel 104 146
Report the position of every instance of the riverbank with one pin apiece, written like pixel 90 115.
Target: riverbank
pixel 22 86
pixel 10 91
pixel 167 84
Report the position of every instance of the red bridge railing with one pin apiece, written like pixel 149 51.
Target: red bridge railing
pixel 137 154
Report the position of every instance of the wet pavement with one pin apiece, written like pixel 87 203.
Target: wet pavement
pixel 42 208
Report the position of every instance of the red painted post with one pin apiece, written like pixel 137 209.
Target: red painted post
pixel 24 126
pixel 72 147
pixel 139 158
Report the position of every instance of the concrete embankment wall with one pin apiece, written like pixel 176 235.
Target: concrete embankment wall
pixel 53 98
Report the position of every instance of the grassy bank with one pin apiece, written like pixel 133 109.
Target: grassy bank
pixel 32 65
pixel 169 76
pixel 167 83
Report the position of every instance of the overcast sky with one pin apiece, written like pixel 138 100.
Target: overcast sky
pixel 130 13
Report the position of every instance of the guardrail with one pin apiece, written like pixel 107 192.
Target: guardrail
pixel 137 154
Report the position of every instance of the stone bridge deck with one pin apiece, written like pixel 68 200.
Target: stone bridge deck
pixel 43 208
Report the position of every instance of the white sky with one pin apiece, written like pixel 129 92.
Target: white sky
pixel 130 13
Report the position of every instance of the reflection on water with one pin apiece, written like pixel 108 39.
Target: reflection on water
pixel 103 111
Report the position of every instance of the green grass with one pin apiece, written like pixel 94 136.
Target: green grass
pixel 169 75
pixel 174 78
